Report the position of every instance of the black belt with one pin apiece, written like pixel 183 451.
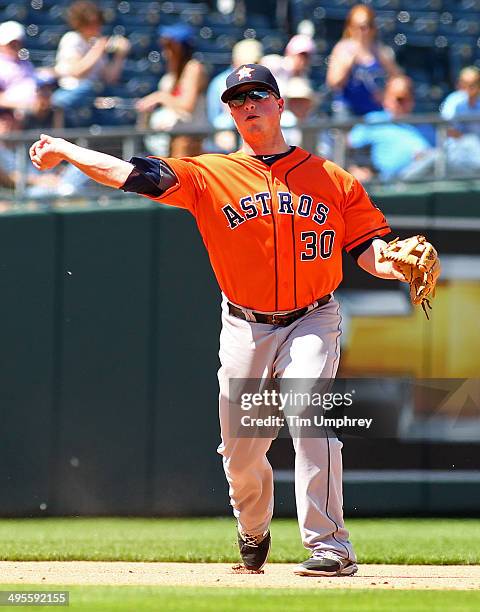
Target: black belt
pixel 281 319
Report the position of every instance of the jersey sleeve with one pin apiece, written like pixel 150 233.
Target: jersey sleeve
pixel 188 187
pixel 363 220
pixel 149 177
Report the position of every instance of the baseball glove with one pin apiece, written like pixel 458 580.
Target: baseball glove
pixel 418 261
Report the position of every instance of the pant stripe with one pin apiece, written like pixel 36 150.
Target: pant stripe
pixel 337 351
pixel 327 500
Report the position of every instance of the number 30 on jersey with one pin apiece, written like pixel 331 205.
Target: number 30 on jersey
pixel 317 245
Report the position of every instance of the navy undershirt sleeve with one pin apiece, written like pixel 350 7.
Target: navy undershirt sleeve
pixel 363 246
pixel 151 177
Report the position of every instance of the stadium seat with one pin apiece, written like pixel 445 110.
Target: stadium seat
pixel 142 41
pixel 421 5
pixel 467 6
pixel 45 38
pixel 42 58
pixel 139 86
pixel 16 11
pixel 461 54
pixel 42 15
pixel 386 24
pixel 386 5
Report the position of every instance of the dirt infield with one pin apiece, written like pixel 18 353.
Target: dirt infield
pixel 277 575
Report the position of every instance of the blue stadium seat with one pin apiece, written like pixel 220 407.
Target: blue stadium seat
pixel 142 41
pixel 140 86
pixel 258 21
pixel 386 5
pixel 420 22
pixel 135 13
pixel 16 11
pixel 461 54
pixel 142 68
pixel 421 5
pixel 425 63
pixel 274 43
pixel 219 29
pixel 467 25
pixel 45 37
pixel 467 6
pixel 41 15
pixel 42 58
pixel 386 23
pixel 260 33
pixel 330 30
pixel 345 5
pixel 206 45
pixel 318 69
pixel 214 18
pixel 185 9
pixel 215 61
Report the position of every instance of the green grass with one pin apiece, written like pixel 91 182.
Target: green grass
pixel 423 541
pixel 188 599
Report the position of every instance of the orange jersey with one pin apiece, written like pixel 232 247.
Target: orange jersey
pixel 274 234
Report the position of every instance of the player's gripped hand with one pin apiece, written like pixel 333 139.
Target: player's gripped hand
pixel 46 153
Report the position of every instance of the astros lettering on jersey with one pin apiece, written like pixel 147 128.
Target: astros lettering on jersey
pixel 274 234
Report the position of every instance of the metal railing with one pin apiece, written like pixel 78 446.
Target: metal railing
pixel 127 142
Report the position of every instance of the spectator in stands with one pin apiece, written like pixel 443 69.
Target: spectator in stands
pixel 464 101
pixel 301 103
pixel 294 63
pixel 86 61
pixel 463 144
pixel 398 150
pixel 180 94
pixel 66 181
pixel 359 65
pixel 17 76
pixel 41 115
pixel 247 51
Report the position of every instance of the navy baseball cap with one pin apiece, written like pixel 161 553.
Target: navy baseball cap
pixel 249 74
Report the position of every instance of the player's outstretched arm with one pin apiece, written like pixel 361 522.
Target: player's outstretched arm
pixel 371 261
pixel 48 152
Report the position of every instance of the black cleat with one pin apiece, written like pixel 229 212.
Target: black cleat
pixel 254 549
pixel 326 564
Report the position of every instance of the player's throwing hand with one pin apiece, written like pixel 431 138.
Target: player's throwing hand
pixel 45 153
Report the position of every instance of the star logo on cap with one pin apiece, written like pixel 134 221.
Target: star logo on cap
pixel 245 73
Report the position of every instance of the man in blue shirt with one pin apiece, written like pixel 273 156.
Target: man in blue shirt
pixel 398 150
pixel 464 101
pixel 463 144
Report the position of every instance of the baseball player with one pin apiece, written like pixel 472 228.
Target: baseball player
pixel 274 220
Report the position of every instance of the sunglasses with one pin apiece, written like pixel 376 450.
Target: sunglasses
pixel 256 95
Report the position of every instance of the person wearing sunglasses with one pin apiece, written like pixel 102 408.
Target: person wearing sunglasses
pixel 275 220
pixel 255 95
pixel 398 150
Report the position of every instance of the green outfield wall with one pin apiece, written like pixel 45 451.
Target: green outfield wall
pixel 109 350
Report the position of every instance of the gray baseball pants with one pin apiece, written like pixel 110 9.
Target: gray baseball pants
pixel 309 348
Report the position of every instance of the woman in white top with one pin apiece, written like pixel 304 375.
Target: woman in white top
pixel 180 95
pixel 83 65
